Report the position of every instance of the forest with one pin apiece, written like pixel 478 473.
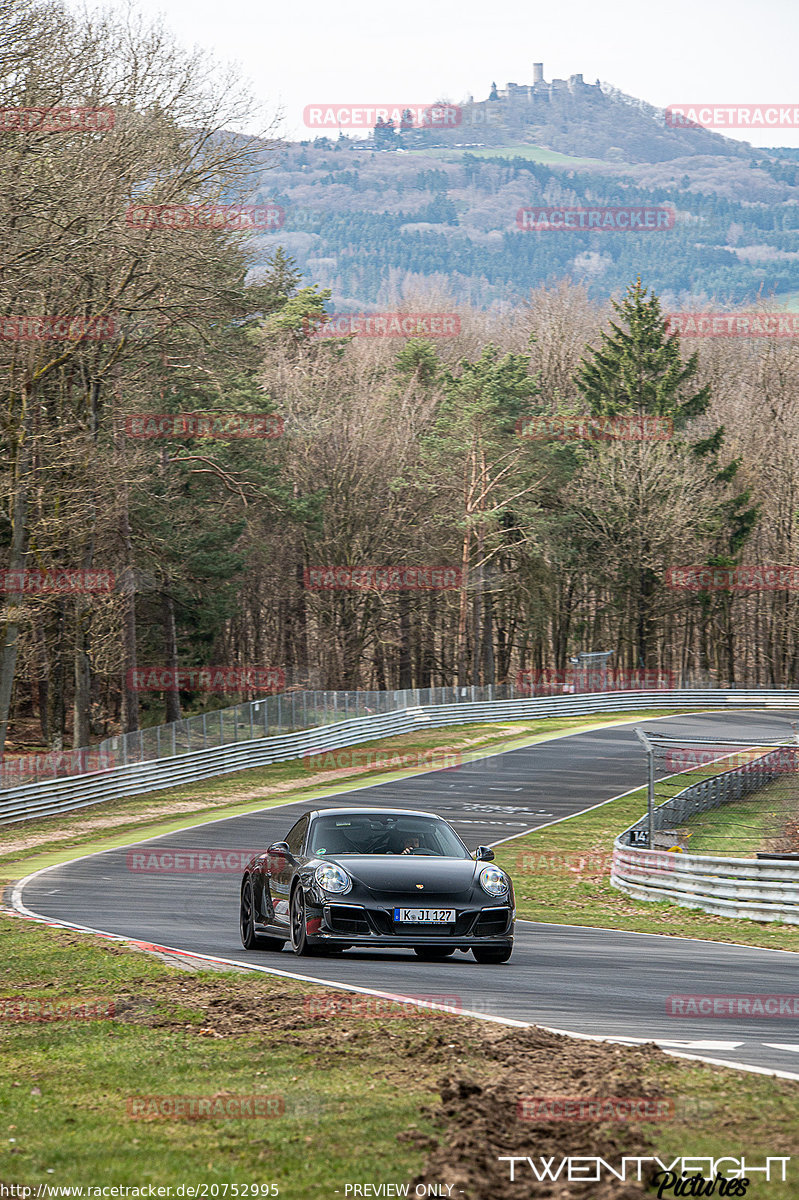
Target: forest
pixel 192 481
pixel 370 225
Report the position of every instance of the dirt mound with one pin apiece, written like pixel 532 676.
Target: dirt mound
pixel 483 1074
pixel 482 1121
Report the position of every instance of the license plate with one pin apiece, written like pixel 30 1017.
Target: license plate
pixel 425 916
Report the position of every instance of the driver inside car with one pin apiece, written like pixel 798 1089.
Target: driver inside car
pixel 407 844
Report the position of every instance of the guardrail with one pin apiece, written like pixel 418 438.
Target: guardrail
pixel 268 716
pixel 757 889
pixel 61 795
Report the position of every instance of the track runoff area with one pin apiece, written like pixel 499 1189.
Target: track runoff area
pixel 586 981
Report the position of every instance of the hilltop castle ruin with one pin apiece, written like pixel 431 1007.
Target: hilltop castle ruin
pixel 524 101
pixel 539 88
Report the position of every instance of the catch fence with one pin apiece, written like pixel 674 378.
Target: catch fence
pixel 400 712
pixel 721 830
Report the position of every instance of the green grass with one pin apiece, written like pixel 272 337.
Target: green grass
pixel 741 828
pixel 97 1070
pixel 562 875
pixel 67 1085
pixel 732 1099
pixel 538 154
pixel 744 827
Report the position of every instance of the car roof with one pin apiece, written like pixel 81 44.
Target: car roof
pixel 371 812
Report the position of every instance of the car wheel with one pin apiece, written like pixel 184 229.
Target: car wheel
pixel 299 934
pixel 250 940
pixel 431 953
pixel 492 954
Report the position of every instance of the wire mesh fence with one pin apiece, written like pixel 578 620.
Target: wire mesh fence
pixel 269 716
pixel 728 798
pixel 295 710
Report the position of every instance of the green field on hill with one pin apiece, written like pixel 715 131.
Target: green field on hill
pixel 539 154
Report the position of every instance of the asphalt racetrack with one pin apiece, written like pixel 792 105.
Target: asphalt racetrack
pixel 581 980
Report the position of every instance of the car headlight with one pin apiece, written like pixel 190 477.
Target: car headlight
pixel 494 881
pixel 331 878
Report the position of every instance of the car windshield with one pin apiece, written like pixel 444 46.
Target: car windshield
pixel 378 833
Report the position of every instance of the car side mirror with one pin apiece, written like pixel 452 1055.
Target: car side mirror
pixel 484 854
pixel 279 848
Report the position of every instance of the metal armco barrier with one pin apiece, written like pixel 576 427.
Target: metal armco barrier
pixel 61 795
pixel 760 889
pixel 269 716
pixel 757 889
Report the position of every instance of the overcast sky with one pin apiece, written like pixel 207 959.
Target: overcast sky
pixel 348 51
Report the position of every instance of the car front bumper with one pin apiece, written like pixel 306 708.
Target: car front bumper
pixel 373 925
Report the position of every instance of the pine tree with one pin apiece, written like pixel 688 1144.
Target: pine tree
pixel 385 135
pixel 638 370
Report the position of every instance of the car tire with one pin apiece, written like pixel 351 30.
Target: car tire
pixel 299 934
pixel 492 954
pixel 431 953
pixel 250 940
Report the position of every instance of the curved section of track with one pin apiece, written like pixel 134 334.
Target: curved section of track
pixel 582 980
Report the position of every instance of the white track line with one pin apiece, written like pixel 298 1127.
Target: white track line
pixel 152 947
pixel 397 997
pixel 620 725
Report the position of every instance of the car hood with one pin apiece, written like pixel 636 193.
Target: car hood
pixel 401 873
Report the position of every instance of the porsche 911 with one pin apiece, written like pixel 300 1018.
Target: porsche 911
pixel 359 877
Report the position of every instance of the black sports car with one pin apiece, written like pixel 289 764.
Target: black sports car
pixel 372 877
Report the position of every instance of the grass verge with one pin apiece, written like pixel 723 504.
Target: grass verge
pixel 764 821
pixel 356 1098
pixel 736 830
pixel 562 875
